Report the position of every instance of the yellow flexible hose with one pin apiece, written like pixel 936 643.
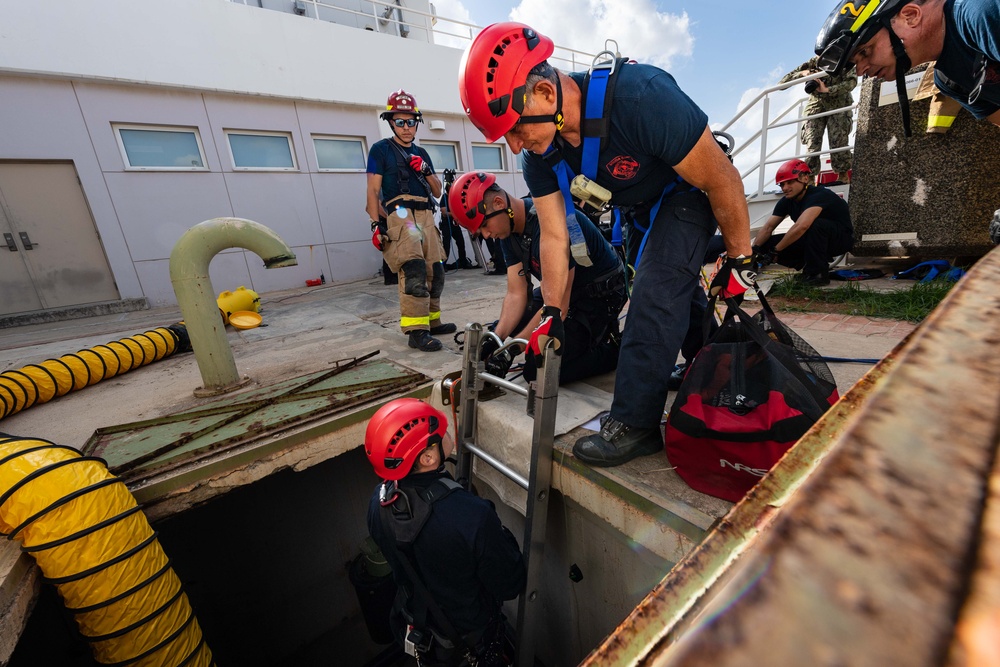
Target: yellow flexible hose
pixel 91 540
pixel 40 383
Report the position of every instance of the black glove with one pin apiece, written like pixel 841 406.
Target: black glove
pixel 763 257
pixel 499 363
pixel 489 346
pixel 550 327
pixel 736 276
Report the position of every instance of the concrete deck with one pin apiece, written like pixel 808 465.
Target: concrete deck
pixel 308 329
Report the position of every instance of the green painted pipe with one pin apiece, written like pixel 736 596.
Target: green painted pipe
pixel 189 262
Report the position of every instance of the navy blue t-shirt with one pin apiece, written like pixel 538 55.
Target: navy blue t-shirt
pixel 834 208
pixel 971 32
pixel 603 256
pixel 654 125
pixel 382 159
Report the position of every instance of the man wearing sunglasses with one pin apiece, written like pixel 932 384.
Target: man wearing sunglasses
pixel 885 38
pixel 400 204
pixel 596 292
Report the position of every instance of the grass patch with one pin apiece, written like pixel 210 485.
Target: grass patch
pixel 854 298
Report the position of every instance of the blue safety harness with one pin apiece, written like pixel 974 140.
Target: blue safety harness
pixel 595 128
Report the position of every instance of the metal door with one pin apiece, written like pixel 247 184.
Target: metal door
pixel 17 292
pixel 50 224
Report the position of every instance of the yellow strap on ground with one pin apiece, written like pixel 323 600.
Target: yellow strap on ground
pixel 90 540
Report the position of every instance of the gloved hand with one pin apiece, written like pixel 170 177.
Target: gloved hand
pixel 498 364
pixel 549 328
pixel 418 165
pixel 489 346
pixel 736 276
pixel 763 257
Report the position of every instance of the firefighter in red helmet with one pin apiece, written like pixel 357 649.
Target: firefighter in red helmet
pixel 458 559
pixel 822 228
pixel 597 292
pixel 402 186
pixel 664 172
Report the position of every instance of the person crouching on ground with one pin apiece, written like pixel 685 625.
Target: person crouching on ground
pixel 822 228
pixel 596 293
pixel 453 560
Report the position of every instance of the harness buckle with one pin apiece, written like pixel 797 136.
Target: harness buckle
pixel 606 59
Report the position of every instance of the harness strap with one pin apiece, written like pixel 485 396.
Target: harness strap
pixel 404 171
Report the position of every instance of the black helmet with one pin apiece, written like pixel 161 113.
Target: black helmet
pixel 850 26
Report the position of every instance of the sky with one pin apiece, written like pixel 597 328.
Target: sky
pixel 721 52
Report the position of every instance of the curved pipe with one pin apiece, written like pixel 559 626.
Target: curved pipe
pixel 93 543
pixel 40 383
pixel 189 262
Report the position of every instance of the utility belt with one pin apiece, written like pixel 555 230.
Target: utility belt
pixel 432 647
pixel 412 204
pixel 611 283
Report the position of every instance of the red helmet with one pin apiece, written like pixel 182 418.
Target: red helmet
pixel 493 72
pixel 400 102
pixel 465 199
pixel 790 171
pixel 398 432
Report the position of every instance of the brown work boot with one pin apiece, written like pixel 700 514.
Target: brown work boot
pixel 423 341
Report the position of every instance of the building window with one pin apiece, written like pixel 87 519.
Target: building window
pixel 443 156
pixel 340 154
pixel 146 147
pixel 487 158
pixel 261 150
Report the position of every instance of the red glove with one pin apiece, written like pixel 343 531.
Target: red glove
pixel 550 327
pixel 736 276
pixel 418 165
pixel 377 239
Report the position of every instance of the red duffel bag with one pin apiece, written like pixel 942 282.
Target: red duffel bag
pixel 751 392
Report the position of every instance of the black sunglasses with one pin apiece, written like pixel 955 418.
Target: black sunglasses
pixel 404 122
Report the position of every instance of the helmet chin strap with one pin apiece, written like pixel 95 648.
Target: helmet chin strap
pixel 500 211
pixel 903 65
pixel 556 118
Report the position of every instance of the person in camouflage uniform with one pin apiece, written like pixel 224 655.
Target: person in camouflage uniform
pixel 832 92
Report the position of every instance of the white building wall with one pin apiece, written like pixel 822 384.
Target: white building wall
pixel 69 70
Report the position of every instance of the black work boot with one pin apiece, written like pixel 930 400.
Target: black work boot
pixel 423 341
pixel 444 329
pixel 617 444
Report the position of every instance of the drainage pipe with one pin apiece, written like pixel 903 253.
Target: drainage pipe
pixel 40 383
pixel 189 262
pixel 93 543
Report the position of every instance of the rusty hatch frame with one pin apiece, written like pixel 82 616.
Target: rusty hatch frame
pixel 232 409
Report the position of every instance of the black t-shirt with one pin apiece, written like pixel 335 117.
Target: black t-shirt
pixel 654 125
pixel 383 159
pixel 834 208
pixel 601 254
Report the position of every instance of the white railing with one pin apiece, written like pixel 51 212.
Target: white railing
pixel 387 17
pixel 768 154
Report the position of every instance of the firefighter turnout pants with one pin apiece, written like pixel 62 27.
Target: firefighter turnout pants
pixel 415 252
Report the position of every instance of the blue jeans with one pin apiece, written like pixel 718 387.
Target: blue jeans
pixel 663 301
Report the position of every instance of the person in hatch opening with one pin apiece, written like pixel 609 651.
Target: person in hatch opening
pixel 660 164
pixel 597 292
pixel 822 228
pixel 401 180
pixel 886 38
pixel 447 549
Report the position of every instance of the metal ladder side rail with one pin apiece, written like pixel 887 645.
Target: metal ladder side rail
pixel 541 405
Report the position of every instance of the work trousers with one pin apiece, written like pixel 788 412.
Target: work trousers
pixel 813 251
pixel 663 303
pixel 838 130
pixel 592 341
pixel 414 251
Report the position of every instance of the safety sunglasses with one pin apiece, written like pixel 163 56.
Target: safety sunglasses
pixel 404 122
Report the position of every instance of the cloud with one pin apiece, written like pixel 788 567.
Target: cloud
pixel 642 32
pixel 447 32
